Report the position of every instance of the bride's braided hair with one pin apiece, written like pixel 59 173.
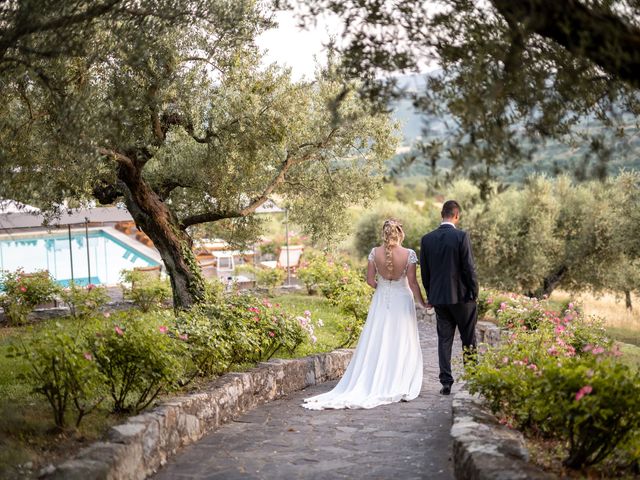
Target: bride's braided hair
pixel 392 235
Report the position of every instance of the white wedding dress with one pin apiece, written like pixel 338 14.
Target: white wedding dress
pixel 386 366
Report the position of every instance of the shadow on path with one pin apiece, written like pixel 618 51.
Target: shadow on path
pixel 281 440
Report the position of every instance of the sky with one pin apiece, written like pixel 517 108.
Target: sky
pixel 288 45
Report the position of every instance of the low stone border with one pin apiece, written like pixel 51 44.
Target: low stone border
pixel 140 446
pixel 482 448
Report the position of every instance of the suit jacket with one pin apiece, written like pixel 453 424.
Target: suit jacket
pixel 447 268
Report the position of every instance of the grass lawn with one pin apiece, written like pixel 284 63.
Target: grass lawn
pixel 321 309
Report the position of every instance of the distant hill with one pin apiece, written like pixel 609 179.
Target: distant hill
pixel 550 158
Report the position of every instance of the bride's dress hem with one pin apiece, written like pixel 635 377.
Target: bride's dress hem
pixel 310 404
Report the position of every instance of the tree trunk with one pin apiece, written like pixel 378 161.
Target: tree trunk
pixel 156 220
pixel 627 300
pixel 551 282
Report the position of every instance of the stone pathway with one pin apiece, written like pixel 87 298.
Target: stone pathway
pixel 281 440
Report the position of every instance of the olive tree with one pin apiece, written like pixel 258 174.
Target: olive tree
pixel 165 106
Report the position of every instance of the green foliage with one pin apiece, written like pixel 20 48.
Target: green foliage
pixel 84 301
pixel 145 290
pixel 270 277
pixel 21 292
pixel 241 328
pixel 353 297
pixel 62 370
pixel 552 234
pixel 416 224
pixel 209 346
pixel 512 77
pixel 319 272
pixel 138 358
pixel 562 380
pixel 343 285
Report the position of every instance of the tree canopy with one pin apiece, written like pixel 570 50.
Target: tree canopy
pixel 170 110
pixel 513 74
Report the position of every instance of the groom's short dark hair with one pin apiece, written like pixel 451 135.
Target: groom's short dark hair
pixel 450 208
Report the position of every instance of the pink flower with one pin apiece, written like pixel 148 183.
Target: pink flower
pixel 587 348
pixel 570 306
pixel 503 306
pixel 254 309
pixel 553 350
pixel 489 300
pixel 272 334
pixel 163 329
pixel 184 337
pixel 532 366
pixel 91 286
pixel 505 359
pixel 88 356
pixel 23 289
pixel 256 319
pixel 559 329
pixel 586 390
pixel 266 303
pixel 118 330
pixel 307 313
pixel 597 350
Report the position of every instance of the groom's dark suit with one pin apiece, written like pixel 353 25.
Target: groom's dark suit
pixel 449 278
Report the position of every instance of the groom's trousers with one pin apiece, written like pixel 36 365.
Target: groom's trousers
pixel 461 315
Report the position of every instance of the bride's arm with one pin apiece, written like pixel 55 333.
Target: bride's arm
pixel 371 275
pixel 413 284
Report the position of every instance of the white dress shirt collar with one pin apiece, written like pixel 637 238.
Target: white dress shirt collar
pixel 448 223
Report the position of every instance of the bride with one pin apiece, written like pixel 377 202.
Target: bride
pixel 387 364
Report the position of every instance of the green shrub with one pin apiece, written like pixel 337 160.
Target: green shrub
pixel 138 358
pixel 353 297
pixel 563 380
pixel 270 278
pixel 591 401
pixel 63 371
pixel 145 290
pixel 84 301
pixel 209 345
pixel 21 292
pixel 255 328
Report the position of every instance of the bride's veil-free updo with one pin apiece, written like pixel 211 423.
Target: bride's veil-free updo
pixel 392 235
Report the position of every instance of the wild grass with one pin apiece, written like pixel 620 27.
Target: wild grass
pixel 622 324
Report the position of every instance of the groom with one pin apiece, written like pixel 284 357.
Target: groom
pixel 449 278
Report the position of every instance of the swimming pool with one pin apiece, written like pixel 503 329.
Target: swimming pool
pixel 108 256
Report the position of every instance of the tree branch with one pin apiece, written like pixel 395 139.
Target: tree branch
pixel 164 189
pixel 118 157
pixel 587 32
pixel 290 161
pixel 28 26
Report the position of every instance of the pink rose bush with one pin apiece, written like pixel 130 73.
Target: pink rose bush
pixel 557 374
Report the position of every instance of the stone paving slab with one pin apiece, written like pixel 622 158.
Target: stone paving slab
pixel 281 440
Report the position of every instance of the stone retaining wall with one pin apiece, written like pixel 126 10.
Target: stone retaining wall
pixel 140 446
pixel 482 448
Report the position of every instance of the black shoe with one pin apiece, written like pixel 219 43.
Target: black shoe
pixel 445 390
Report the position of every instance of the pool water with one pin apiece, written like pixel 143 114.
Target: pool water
pixel 107 257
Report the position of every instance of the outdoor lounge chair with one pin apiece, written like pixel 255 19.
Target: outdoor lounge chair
pixel 295 252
